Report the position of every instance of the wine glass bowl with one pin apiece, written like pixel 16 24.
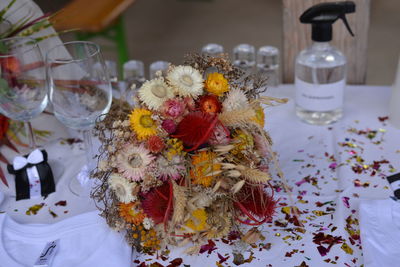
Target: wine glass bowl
pixel 23 92
pixel 79 92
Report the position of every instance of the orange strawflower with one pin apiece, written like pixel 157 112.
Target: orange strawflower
pixel 205 168
pixel 131 213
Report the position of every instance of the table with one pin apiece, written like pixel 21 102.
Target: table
pixel 330 168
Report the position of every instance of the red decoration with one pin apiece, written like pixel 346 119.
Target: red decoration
pixel 169 126
pixel 256 204
pixel 157 203
pixel 195 129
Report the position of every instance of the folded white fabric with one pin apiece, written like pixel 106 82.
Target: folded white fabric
pixel 380 232
pixel 83 241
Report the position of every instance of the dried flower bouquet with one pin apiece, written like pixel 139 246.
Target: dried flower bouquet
pixel 191 161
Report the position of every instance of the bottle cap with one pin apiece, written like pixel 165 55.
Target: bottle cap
pixel 133 69
pixel 244 55
pixel 212 49
pixel 268 56
pixel 323 15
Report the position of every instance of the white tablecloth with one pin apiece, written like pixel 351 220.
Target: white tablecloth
pixel 320 164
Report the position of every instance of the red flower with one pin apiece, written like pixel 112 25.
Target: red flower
pixel 169 126
pixel 195 129
pixel 157 203
pixel 255 203
pixel 155 144
pixel 210 104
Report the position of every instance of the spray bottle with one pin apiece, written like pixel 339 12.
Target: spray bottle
pixel 320 73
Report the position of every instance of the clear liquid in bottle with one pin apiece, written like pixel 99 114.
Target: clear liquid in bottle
pixel 320 81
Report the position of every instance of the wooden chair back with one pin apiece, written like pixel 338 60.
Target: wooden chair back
pixel 89 15
pixel 297 36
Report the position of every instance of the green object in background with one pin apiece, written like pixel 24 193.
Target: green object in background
pixel 114 33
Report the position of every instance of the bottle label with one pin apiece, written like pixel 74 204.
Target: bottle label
pixel 319 97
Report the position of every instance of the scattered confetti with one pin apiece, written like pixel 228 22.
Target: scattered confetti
pixel 70 141
pixel 303 264
pixel 210 247
pixel 175 263
pixel 326 239
pixel 346 202
pixel 347 249
pixel 62 203
pixel 33 210
pixel 358 183
pixel 382 119
pixel 52 213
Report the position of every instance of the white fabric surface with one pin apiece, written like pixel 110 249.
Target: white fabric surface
pixel 380 232
pixel 301 150
pixel 85 241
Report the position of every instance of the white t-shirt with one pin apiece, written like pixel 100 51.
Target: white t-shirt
pixel 84 241
pixel 380 232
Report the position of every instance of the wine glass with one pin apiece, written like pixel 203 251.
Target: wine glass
pixel 23 92
pixel 79 93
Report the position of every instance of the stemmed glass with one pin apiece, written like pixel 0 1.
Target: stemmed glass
pixel 23 92
pixel 78 92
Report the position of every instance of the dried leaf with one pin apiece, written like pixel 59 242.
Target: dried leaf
pixel 252 236
pixel 236 188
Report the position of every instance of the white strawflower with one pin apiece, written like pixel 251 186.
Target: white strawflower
pixel 236 99
pixel 148 223
pixel 154 93
pixel 122 188
pixel 186 81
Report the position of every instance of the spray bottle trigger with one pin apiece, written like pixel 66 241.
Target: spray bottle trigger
pixel 346 23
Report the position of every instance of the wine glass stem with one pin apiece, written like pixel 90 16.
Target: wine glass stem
pixel 87 138
pixel 31 135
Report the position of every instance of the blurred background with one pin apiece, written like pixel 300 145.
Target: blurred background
pixel 167 29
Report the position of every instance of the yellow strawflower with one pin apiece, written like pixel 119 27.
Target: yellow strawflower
pixel 142 123
pixel 216 84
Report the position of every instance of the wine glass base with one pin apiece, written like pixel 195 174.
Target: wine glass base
pixel 81 184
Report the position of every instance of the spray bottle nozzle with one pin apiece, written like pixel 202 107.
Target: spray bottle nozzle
pixel 323 15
